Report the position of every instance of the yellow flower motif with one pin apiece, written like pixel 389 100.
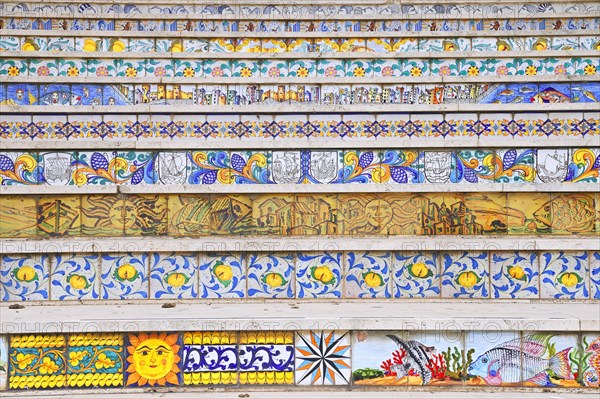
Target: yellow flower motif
pixel 359 72
pixel 589 70
pixel 246 72
pixel 131 72
pixel 473 71
pixel 531 70
pixel 416 71
pixel 24 360
pixel 48 366
pixel 104 362
pixel 76 357
pixel 302 72
pixel 189 72
pixel 13 71
pixel 73 71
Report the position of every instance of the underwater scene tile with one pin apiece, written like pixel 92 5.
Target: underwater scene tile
pixel 24 277
pixel 37 361
pixel 95 360
pixel 514 275
pixel 173 276
pixel 75 277
pixel 152 359
pixel 323 358
pixel 210 358
pixel 589 371
pixel 3 362
pixel 367 275
pixel 564 275
pixel 465 275
pixel 271 275
pixel 222 276
pixel 319 275
pixel 124 276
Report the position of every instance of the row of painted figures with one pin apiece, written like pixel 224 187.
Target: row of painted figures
pixel 304 68
pixel 181 215
pixel 86 168
pixel 307 126
pixel 277 10
pixel 400 358
pixel 302 45
pixel 302 275
pixel 198 96
pixel 273 25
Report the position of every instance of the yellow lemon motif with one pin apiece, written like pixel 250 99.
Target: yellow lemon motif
pixel 118 46
pixel 323 274
pixel 176 279
pixel 541 45
pixel 373 279
pixel 569 279
pixel 177 48
pixel 26 274
pixel 467 279
pixel 449 46
pixel 419 270
pixel 78 281
pixel 28 47
pixel 516 272
pixel 126 273
pixel 89 45
pixel 223 272
pixel 273 280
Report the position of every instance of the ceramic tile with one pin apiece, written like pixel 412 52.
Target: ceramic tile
pixel 37 361
pixel 551 165
pixel 367 275
pixel 482 346
pixel 59 216
pixel 173 276
pixel 588 370
pixel 278 348
pixel 15 67
pixel 75 277
pixel 564 275
pixel 523 212
pixel 271 276
pixel 319 275
pixel 222 276
pixel 302 69
pixel 514 275
pixel 24 277
pixel 416 275
pixel 274 68
pixel 3 362
pixel 124 276
pixel 465 275
pixel 595 275
pixel 95 360
pixel 19 167
pixel 323 358
pixel 145 215
pixel 57 168
pixel 210 358
pixel 153 359
pixel 18 217
pixel 315 215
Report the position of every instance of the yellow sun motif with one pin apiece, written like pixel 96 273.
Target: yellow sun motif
pixel 246 72
pixel 416 71
pixel 359 72
pixel 531 70
pixel 302 72
pixel 589 70
pixel 189 72
pixel 153 359
pixel 73 71
pixel 131 72
pixel 13 71
pixel 473 71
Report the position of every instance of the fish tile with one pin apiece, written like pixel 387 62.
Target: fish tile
pixel 564 275
pixel 588 373
pixel 323 358
pixel 483 347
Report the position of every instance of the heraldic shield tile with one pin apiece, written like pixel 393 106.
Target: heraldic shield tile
pixel 210 358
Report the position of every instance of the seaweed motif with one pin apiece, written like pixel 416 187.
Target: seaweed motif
pixel 457 363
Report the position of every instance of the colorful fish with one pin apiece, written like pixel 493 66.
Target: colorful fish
pixel 417 358
pixel 592 376
pixel 550 95
pixel 521 360
pixel 574 213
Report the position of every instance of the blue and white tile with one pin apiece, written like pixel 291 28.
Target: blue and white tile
pixel 595 275
pixel 271 276
pixel 416 275
pixel 564 275
pixel 465 275
pixel 514 275
pixel 222 276
pixel 124 276
pixel 319 275
pixel 173 276
pixel 75 277
pixel 367 275
pixel 24 277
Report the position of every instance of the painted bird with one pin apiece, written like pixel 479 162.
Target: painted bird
pixel 520 360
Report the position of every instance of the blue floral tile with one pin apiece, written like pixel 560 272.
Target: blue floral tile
pixel 271 276
pixel 222 276
pixel 173 276
pixel 564 275
pixel 367 275
pixel 319 275
pixel 24 278
pixel 75 277
pixel 465 275
pixel 416 275
pixel 514 275
pixel 595 275
pixel 124 276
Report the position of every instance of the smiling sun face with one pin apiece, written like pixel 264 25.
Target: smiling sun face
pixel 153 359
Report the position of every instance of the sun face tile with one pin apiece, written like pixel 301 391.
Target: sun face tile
pixel 24 277
pixel 37 361
pixel 173 276
pixel 210 358
pixel 564 275
pixel 465 275
pixel 124 276
pixel 367 275
pixel 323 358
pixel 271 276
pixel 95 360
pixel 153 359
pixel 222 276
pixel 319 275
pixel 416 275
pixel 75 277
